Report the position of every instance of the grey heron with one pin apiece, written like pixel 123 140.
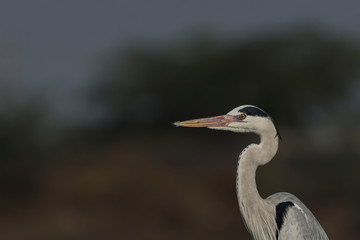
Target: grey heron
pixel 280 216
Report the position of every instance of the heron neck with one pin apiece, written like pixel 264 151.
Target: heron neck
pixel 247 191
pixel 249 198
pixel 251 157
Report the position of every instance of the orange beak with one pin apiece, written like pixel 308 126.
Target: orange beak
pixel 218 121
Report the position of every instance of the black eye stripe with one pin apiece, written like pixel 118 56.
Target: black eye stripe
pixel 253 111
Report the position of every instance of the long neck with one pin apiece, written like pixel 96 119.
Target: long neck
pixel 254 209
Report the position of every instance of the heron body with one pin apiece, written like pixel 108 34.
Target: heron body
pixel 281 216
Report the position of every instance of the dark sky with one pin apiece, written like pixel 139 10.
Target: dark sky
pixel 58 43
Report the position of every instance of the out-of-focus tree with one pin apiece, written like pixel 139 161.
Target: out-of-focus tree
pixel 284 73
pixel 27 138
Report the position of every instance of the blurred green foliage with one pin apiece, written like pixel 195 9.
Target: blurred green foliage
pixel 284 73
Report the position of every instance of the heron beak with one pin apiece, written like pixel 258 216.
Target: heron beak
pixel 218 121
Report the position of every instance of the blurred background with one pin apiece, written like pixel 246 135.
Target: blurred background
pixel 89 89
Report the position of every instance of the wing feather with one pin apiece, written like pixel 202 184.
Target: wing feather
pixel 297 222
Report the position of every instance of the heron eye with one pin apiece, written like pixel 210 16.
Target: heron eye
pixel 242 116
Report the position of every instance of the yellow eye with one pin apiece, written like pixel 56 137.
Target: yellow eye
pixel 242 116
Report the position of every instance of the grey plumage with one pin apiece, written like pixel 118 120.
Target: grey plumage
pixel 281 216
pixel 299 222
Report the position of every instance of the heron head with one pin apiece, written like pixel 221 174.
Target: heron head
pixel 245 118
